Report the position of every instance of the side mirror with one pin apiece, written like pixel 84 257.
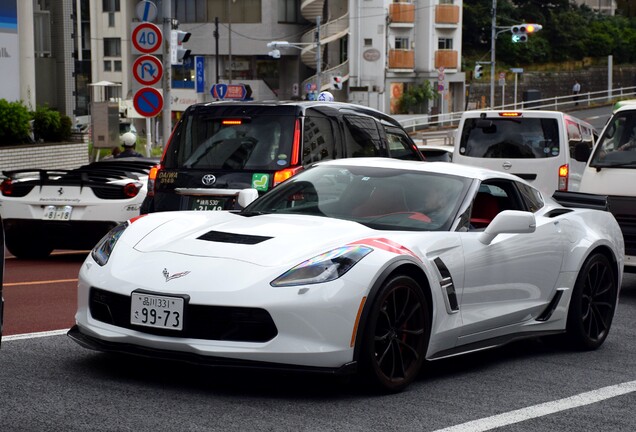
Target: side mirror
pixel 509 222
pixel 247 196
pixel 581 152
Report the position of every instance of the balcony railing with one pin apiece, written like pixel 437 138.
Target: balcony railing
pixel 401 59
pixel 402 13
pixel 447 14
pixel 448 59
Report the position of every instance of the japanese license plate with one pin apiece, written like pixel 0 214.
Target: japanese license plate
pixel 207 204
pixel 52 212
pixel 156 311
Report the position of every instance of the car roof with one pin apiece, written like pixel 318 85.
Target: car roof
pixel 459 170
pixel 341 107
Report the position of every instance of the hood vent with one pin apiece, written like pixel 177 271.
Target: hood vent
pixel 224 237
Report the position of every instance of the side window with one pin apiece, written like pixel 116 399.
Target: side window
pixel 399 145
pixel 318 140
pixel 493 197
pixel 362 137
pixel 531 197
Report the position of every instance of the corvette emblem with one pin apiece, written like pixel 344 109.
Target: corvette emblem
pixel 208 179
pixel 60 191
pixel 169 277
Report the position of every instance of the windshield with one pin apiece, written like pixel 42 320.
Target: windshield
pixel 204 141
pixel 617 145
pixel 511 138
pixel 380 198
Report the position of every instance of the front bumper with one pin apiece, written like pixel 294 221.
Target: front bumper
pixel 75 333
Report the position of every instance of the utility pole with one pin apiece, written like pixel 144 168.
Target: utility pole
pixel 493 38
pixel 317 36
pixel 216 47
pixel 229 34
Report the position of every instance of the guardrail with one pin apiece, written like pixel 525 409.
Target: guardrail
pixel 557 103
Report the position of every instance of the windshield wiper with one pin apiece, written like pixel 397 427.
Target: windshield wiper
pixel 253 213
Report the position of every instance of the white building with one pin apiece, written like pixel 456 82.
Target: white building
pixel 378 47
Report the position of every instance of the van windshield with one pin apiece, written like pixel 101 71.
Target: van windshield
pixel 617 145
pixel 511 138
pixel 260 142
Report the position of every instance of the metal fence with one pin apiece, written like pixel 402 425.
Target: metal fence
pixel 556 103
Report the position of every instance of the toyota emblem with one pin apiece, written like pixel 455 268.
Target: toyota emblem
pixel 506 165
pixel 208 179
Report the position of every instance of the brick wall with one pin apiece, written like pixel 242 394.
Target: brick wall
pixel 44 156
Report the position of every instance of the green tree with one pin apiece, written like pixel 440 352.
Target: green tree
pixel 415 98
pixel 14 122
pixel 47 124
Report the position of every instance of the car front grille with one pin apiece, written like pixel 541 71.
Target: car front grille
pixel 225 323
pixel 628 227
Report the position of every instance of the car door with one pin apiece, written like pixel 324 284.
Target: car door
pixel 512 279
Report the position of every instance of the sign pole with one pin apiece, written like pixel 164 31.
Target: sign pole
pixel 166 119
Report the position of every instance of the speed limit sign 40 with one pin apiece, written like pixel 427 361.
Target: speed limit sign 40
pixel 146 38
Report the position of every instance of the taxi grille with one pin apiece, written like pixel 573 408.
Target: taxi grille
pixel 225 323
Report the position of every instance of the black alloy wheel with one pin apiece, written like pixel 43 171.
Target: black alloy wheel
pixel 397 334
pixel 593 303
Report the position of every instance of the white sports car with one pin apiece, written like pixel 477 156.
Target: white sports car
pixel 70 209
pixel 370 265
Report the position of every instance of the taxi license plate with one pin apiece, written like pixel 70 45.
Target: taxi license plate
pixel 207 204
pixel 156 311
pixel 52 212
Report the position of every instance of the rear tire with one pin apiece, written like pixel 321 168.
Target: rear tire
pixel 25 246
pixel 592 304
pixel 396 336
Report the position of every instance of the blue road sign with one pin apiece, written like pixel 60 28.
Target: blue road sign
pixel 148 102
pixel 199 68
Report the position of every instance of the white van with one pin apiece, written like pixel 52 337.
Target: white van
pixel 611 172
pixel 537 146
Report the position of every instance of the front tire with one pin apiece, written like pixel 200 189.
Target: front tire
pixel 396 335
pixel 592 304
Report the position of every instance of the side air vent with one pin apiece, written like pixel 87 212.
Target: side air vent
pixel 448 288
pixel 224 237
pixel 548 311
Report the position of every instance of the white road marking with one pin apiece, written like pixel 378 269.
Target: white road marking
pixel 35 335
pixel 543 409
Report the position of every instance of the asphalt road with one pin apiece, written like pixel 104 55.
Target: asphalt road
pixel 48 383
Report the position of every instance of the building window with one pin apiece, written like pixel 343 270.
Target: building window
pixel 113 92
pixel 112 47
pixel 243 11
pixel 183 75
pixel 447 2
pixel 368 42
pixel 108 66
pixel 289 11
pixel 110 5
pixel 192 11
pixel 402 43
pixel 445 43
pixel 117 65
pixel 111 19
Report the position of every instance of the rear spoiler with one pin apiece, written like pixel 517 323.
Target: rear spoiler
pixel 582 200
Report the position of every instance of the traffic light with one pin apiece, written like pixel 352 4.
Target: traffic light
pixel 520 32
pixel 177 52
pixel 479 70
pixel 336 82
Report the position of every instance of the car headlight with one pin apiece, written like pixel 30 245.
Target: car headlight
pixel 102 250
pixel 323 268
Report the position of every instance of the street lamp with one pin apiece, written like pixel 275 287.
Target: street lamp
pixel 276 46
